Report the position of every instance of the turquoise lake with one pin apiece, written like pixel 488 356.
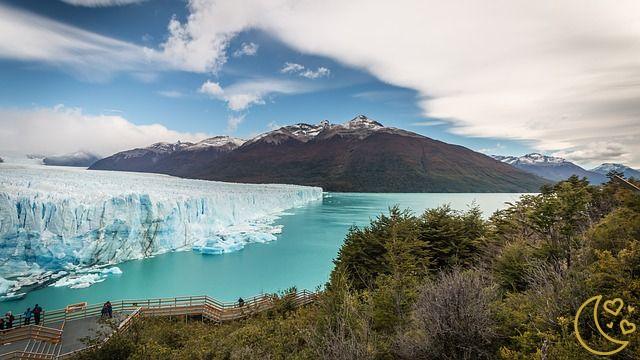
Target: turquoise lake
pixel 301 256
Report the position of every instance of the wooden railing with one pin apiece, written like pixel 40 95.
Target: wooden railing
pixel 31 332
pixel 203 306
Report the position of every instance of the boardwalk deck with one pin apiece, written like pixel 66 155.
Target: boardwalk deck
pixel 63 330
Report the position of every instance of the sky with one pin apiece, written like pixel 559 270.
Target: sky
pixel 501 77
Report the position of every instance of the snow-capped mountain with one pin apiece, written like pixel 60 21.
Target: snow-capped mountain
pixel 163 157
pixel 359 155
pixel 79 159
pixel 358 127
pixel 628 172
pixel 549 167
pixel 531 159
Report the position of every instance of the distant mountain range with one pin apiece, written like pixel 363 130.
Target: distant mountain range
pixel 556 169
pixel 360 155
pixel 607 167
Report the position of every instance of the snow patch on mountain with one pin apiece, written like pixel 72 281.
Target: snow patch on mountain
pixel 530 159
pixel 362 122
pixel 217 141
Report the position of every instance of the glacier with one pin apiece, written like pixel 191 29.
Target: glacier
pixel 56 221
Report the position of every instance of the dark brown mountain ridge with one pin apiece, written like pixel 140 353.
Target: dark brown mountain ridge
pixel 360 155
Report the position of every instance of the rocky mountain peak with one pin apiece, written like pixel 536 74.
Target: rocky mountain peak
pixel 362 122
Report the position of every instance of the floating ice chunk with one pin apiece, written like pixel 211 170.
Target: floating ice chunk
pixel 5 285
pixel 80 282
pixel 111 271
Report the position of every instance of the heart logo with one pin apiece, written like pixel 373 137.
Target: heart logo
pixel 614 306
pixel 610 325
pixel 627 327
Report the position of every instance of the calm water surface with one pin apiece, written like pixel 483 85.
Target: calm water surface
pixel 302 256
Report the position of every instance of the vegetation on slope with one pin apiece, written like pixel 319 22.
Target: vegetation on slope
pixel 443 285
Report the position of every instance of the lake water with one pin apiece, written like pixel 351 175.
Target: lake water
pixel 302 256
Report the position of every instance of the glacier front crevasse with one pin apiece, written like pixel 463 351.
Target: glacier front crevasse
pixel 53 218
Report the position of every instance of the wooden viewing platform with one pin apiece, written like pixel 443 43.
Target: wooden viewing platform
pixel 60 333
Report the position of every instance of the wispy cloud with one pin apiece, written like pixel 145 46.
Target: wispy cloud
pixel 246 49
pixel 234 121
pixel 241 95
pixel 291 68
pixel 29 37
pixel 301 70
pixel 62 129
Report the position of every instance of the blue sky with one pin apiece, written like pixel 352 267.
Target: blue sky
pixel 144 73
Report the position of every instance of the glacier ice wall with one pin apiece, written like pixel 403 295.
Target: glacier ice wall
pixel 53 217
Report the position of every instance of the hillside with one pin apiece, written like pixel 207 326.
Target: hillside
pixel 360 155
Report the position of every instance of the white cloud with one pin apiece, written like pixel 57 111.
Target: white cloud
pixel 246 49
pixel 61 129
pixel 564 76
pixel 243 94
pixel 25 36
pixel 301 70
pixel 598 153
pixel 101 3
pixel 291 68
pixel 212 89
pixel 233 122
pixel 318 73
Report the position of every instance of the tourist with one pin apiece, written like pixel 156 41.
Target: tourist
pixel 37 310
pixel 240 302
pixel 109 309
pixel 1 324
pixel 10 319
pixel 27 316
pixel 103 313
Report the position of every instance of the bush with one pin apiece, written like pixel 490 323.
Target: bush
pixel 453 319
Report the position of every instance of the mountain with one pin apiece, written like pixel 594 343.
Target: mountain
pixel 80 158
pixel 627 171
pixel 360 155
pixel 169 158
pixel 550 167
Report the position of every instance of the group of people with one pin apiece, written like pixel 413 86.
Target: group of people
pixel 36 314
pixel 107 310
pixel 7 322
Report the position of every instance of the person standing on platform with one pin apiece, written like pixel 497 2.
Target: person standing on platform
pixel 27 316
pixel 37 311
pixel 109 309
pixel 9 320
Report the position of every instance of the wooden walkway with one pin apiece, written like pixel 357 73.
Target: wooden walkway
pixel 60 334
